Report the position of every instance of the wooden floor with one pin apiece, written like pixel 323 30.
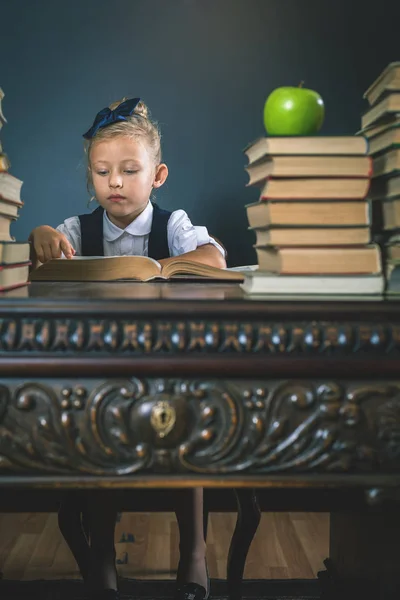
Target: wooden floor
pixel 287 545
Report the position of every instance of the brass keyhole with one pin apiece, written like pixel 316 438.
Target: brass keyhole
pixel 163 417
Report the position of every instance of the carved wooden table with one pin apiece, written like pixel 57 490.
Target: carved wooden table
pixel 129 385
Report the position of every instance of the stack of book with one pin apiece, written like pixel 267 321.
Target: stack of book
pixel 380 124
pixel 312 222
pixel 14 256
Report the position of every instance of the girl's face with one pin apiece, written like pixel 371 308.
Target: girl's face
pixel 124 174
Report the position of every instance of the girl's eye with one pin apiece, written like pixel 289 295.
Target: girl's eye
pixel 130 171
pixel 101 172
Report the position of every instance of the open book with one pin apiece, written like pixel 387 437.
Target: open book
pixel 115 268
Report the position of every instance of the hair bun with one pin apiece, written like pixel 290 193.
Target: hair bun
pixel 142 110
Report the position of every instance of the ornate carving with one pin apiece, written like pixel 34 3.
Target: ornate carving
pixel 388 423
pixel 171 426
pixel 94 336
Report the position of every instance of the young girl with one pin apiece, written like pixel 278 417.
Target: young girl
pixel 124 167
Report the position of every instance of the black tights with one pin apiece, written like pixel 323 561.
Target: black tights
pixel 88 523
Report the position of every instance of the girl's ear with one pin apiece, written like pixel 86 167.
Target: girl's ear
pixel 160 175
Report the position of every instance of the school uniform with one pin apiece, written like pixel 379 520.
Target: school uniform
pixel 156 233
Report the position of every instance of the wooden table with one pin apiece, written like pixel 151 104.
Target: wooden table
pixel 131 385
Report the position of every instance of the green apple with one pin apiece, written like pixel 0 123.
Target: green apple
pixel 293 111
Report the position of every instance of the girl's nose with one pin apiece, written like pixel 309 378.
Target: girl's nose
pixel 115 180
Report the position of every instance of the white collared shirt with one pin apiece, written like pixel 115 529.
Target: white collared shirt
pixel 134 240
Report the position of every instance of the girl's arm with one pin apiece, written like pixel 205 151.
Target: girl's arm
pixel 192 243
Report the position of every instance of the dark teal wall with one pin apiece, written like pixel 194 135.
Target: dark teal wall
pixel 204 67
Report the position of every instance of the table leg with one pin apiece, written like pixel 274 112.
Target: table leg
pixel 248 518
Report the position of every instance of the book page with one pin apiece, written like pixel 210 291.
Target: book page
pixel 117 256
pixel 190 269
pixel 102 268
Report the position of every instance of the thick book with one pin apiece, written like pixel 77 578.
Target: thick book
pixel 310 166
pixel 14 252
pixel 9 209
pixel 387 81
pixel 21 290
pixel 388 105
pixel 314 213
pixel 119 268
pixel 385 187
pixel 385 140
pixel 5 225
pixel 387 163
pixel 320 261
pixel 10 188
pixel 391 120
pixel 390 214
pixel 13 275
pixel 317 236
pixel 308 285
pixel 306 145
pixel 320 188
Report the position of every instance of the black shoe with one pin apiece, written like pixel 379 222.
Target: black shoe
pixel 192 591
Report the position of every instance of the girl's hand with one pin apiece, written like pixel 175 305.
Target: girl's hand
pixel 49 243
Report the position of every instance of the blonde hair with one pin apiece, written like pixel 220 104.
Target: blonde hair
pixel 138 126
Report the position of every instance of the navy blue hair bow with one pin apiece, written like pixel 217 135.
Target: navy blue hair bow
pixel 107 116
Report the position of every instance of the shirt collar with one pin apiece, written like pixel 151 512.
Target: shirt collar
pixel 140 226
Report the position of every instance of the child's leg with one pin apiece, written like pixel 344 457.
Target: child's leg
pixel 70 524
pixel 102 517
pixel 192 546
